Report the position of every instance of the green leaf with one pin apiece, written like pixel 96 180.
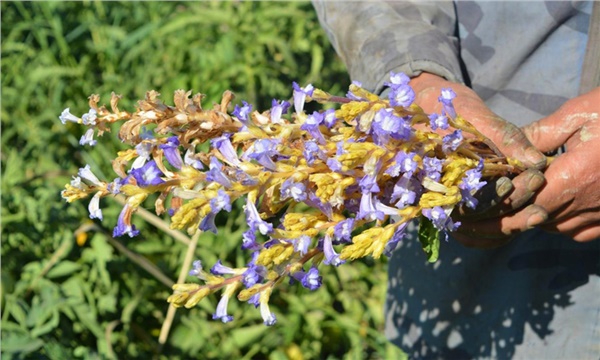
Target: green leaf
pixel 63 268
pixel 429 237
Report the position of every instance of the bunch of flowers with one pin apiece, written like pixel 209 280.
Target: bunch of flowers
pixel 324 187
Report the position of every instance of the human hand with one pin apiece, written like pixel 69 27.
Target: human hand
pixel 508 195
pixel 571 195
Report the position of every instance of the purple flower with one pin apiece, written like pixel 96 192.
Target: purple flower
pixel 216 174
pixel 470 184
pixel 312 280
pixel 86 174
pixel 144 150
pixel 438 121
pixel 124 225
pixel 269 318
pixel 249 240
pixel 94 207
pixel 404 163
pixel 220 202
pixel 329 118
pixel 295 190
pixel 312 151
pixel 148 175
pixel 301 244
pixel 311 124
pixel 67 116
pixel 196 268
pixel 220 269
pixel 89 118
pixel 368 183
pixel 384 209
pixel 440 219
pixel 253 275
pixel 300 94
pixel 115 186
pixel 405 191
pixel 224 146
pixel 277 109
pixel 386 125
pixel 221 312
pixel 452 141
pixel 88 138
pixel 208 223
pixel 254 300
pixel 254 221
pixel 190 160
pixel 402 95
pixel 432 167
pixel 315 202
pixel 171 151
pixel 331 257
pixel 446 99
pixel 334 164
pixel 342 231
pixel 242 112
pixel 262 151
pixel 397 79
pixel 367 210
pixel 396 238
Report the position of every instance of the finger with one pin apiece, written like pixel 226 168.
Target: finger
pixel 551 132
pixel 508 225
pixel 565 179
pixel 587 234
pixel 574 224
pixel 507 199
pixel 514 143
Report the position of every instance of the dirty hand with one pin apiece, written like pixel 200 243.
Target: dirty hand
pixel 512 194
pixel 571 195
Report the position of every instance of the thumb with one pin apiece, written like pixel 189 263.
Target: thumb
pixel 549 133
pixel 553 131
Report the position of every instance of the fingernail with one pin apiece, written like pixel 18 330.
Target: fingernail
pixel 536 219
pixel 536 158
pixel 535 182
pixel 503 186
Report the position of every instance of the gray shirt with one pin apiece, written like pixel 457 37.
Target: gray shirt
pixel 539 296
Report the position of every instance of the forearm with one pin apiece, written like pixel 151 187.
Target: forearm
pixel 374 38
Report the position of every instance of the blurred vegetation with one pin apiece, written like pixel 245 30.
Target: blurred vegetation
pixel 90 298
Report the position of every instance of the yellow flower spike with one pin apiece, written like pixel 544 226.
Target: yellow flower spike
pixel 379 244
pixel 136 200
pixel 433 199
pixel 266 256
pixel 195 298
pixel 349 111
pixel 131 190
pixel 71 193
pixel 365 120
pixel 319 96
pixel 284 234
pixel 271 275
pixel 361 92
pixel 287 252
pixel 361 244
pixel 301 221
pixel 246 294
pixel 187 213
pixel 295 267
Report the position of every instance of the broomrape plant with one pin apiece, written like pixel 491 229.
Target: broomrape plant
pixel 325 187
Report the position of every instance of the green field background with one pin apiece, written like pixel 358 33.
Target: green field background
pixel 105 298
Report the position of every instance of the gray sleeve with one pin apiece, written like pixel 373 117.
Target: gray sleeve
pixel 376 37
